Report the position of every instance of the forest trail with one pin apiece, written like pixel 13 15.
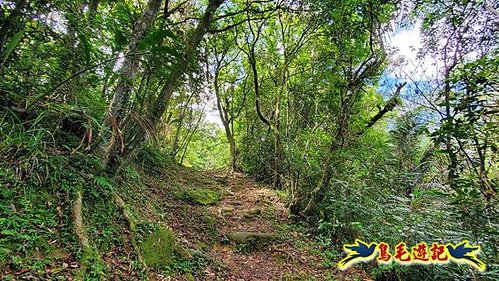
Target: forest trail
pixel 252 208
pixel 247 234
pixel 114 115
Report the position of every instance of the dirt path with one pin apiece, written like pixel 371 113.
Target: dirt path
pixel 251 207
pixel 245 207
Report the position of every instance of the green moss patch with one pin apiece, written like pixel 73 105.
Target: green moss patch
pixel 158 248
pixel 199 196
pixel 255 238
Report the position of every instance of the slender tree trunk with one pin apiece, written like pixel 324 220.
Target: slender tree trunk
pixel 278 147
pixel 130 66
pixel 224 117
pixel 337 141
pixel 276 181
pixel 74 55
pixel 449 147
pixel 181 66
pixel 127 74
pixel 234 154
pixel 318 193
pixel 175 145
pixel 171 83
pixel 485 187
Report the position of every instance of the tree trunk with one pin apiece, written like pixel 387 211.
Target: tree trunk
pixel 278 147
pixel 175 146
pixel 337 141
pixel 224 117
pixel 276 181
pixel 128 71
pixel 228 133
pixel 172 81
pixel 234 154
pixel 453 174
pixel 318 193
pixel 127 74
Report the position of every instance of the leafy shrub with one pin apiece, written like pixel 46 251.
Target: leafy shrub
pixel 154 159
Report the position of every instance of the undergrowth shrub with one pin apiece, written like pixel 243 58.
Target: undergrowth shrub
pixel 427 217
pixel 45 160
pixel 368 200
pixel 257 159
pixel 155 159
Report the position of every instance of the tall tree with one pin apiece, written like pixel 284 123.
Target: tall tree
pixel 138 133
pixel 128 71
pixel 358 66
pixel 224 86
pixel 462 35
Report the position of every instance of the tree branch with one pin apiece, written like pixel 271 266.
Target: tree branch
pixel 390 105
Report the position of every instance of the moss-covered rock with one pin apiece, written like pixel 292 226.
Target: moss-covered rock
pixel 158 248
pixel 253 238
pixel 252 213
pixel 200 196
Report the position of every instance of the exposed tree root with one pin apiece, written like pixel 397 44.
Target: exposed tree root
pixel 90 256
pixel 118 201
pixel 81 234
pixel 124 211
pixel 288 254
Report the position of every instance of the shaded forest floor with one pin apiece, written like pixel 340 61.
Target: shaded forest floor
pixel 246 235
pixel 189 225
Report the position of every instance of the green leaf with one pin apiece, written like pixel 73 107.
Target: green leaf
pixel 156 37
pixel 12 44
pixel 120 40
pixel 102 181
pixel 87 47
